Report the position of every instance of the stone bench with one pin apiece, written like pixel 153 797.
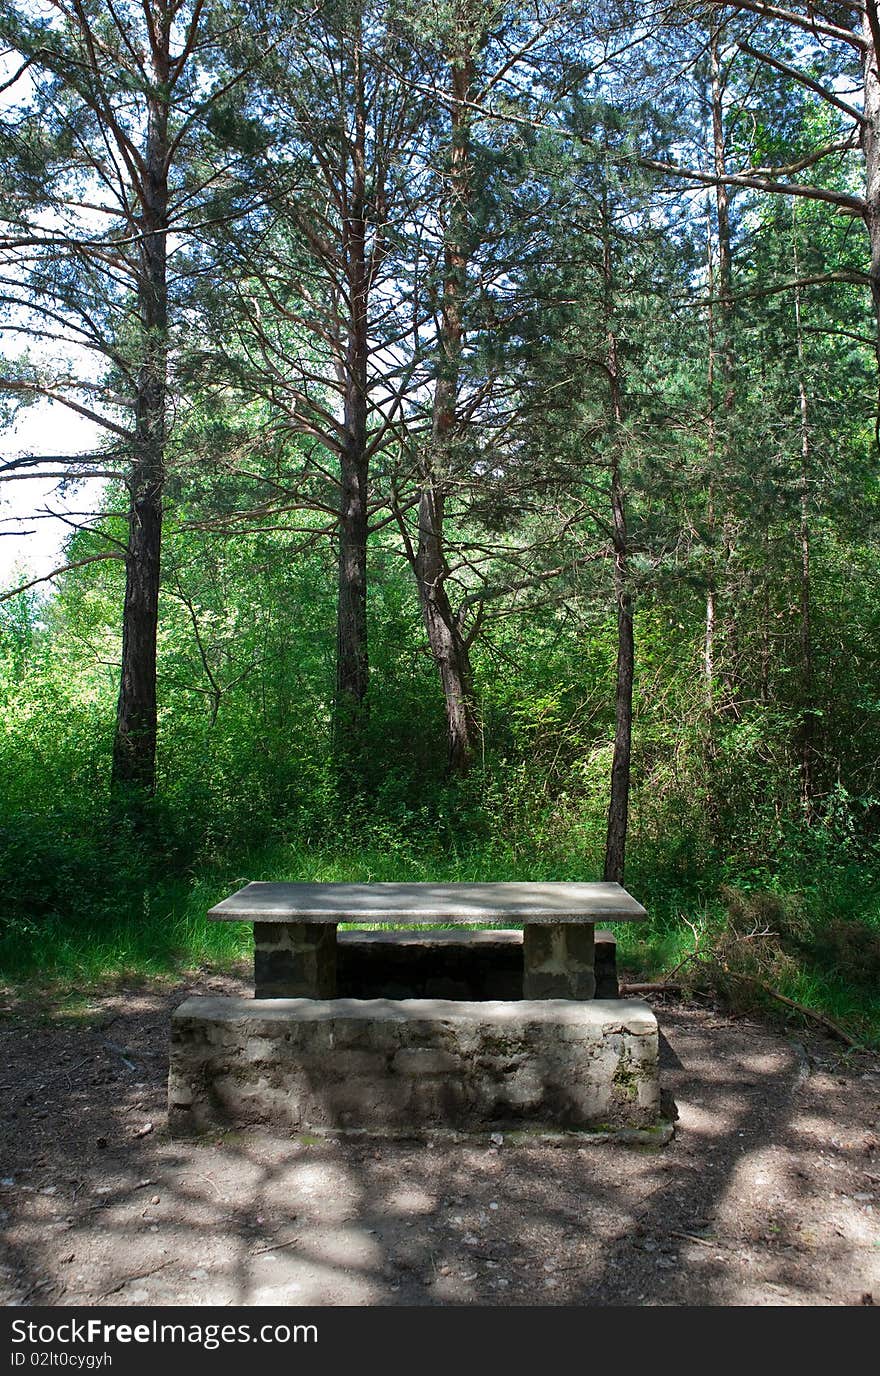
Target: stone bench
pixel 295 942
pixel 415 1064
pixel 448 964
pixel 523 1042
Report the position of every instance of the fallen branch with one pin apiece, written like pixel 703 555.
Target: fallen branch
pixel 661 988
pixel 665 986
pixel 45 1284
pixel 834 1028
pixel 691 955
pixel 276 1246
pixel 141 1275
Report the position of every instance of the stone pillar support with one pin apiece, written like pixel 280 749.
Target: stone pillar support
pixel 294 960
pixel 559 960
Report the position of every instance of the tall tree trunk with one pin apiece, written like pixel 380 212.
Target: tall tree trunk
pixel 722 212
pixel 766 636
pixel 871 150
pixel 134 746
pixel 711 439
pixel 725 317
pixel 618 807
pixel 449 645
pixel 807 744
pixel 352 665
pixel 618 804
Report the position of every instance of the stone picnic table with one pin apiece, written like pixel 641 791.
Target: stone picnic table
pixel 295 927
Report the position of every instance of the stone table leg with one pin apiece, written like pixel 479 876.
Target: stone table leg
pixel 558 960
pixel 294 960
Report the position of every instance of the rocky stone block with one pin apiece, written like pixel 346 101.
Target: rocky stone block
pixel 380 1065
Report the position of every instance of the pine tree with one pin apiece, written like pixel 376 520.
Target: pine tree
pixel 107 104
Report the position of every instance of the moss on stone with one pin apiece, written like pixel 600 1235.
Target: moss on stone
pixel 626 1079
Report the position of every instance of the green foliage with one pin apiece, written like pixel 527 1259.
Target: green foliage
pixel 93 885
pixel 731 481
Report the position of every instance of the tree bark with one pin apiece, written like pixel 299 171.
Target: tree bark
pixel 449 645
pixel 711 427
pixel 618 807
pixel 722 208
pixel 352 663
pixel 871 152
pixel 618 803
pixel 726 351
pixel 807 745
pixel 134 746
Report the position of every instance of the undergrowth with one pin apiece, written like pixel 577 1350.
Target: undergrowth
pixel 815 942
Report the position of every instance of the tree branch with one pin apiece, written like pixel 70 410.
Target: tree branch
pixel 56 573
pixel 808 81
pixel 855 204
pixel 808 22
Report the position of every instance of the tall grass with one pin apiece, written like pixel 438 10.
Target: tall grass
pixel 165 931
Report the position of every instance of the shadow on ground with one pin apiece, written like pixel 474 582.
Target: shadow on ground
pixel 769 1193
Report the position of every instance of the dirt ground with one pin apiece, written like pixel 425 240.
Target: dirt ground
pixel 769 1193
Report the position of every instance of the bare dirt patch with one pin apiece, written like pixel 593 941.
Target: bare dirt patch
pixel 769 1193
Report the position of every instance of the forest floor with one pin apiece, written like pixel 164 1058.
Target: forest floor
pixel 768 1194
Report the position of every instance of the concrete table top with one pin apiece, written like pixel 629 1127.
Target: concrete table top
pixel 426 904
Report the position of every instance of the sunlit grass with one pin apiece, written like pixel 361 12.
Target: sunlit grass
pixel 166 933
